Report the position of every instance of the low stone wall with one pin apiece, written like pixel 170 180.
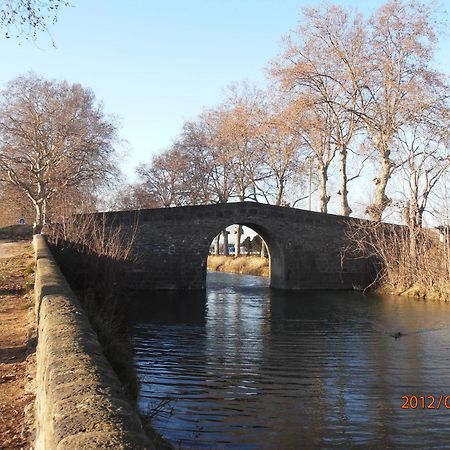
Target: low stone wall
pixel 79 400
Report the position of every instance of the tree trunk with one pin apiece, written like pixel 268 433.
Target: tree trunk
pixel 310 168
pixel 39 217
pixel 44 211
pixel 381 202
pixel 225 242
pixel 345 208
pixel 280 193
pixel 216 245
pixel 237 243
pixel 323 178
pixel 264 252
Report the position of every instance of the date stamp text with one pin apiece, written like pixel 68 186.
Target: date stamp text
pixel 426 401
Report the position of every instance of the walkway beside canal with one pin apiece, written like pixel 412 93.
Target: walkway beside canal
pixel 16 274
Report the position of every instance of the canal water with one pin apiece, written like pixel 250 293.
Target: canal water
pixel 251 368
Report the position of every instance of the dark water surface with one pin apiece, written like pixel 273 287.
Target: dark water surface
pixel 251 368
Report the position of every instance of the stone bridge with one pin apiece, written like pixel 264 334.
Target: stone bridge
pixel 306 248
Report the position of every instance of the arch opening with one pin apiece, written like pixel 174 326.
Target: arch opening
pixel 246 249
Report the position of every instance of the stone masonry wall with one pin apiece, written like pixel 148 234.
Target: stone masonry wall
pixel 306 248
pixel 79 400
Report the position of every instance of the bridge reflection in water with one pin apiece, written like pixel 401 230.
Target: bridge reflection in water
pixel 250 368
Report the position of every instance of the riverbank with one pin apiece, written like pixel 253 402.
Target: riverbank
pixel 416 291
pixel 244 265
pixel 16 299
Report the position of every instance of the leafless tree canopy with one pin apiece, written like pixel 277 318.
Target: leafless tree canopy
pixel 27 18
pixel 55 141
pixel 350 97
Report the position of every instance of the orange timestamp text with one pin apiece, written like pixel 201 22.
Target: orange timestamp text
pixel 426 401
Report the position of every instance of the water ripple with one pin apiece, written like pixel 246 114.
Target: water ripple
pixel 255 369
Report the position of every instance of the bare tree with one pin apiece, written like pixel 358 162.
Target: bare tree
pixel 53 137
pixel 237 133
pixel 321 63
pixel 314 125
pixel 196 175
pixel 283 154
pixel 161 178
pixel 425 151
pixel 217 157
pixel 398 82
pixel 133 196
pixel 178 176
pixel 28 17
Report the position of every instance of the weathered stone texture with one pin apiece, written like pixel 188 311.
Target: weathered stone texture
pixel 79 400
pixel 306 248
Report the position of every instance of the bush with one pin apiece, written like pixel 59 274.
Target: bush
pixel 410 261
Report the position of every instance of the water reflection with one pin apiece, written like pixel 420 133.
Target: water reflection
pixel 252 368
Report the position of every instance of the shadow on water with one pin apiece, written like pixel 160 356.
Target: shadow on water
pixel 170 307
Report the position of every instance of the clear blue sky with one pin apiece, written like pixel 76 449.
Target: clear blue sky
pixel 157 63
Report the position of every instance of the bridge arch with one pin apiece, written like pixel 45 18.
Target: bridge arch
pixel 275 250
pixel 306 248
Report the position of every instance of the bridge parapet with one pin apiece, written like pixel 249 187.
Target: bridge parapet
pixel 171 245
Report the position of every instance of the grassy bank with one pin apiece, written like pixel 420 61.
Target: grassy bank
pixel 417 291
pixel 412 262
pixel 245 265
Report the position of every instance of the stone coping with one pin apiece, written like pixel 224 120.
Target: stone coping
pixel 79 400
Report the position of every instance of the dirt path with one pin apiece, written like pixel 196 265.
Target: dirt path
pixel 9 249
pixel 16 262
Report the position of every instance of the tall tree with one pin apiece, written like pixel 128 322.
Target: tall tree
pixel 425 153
pixel 162 178
pixel 237 134
pixel 196 177
pixel 321 63
pixel 398 82
pixel 283 155
pixel 54 137
pixel 314 126
pixel 217 157
pixel 133 196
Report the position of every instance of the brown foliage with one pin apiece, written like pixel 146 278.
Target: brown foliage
pixel 412 262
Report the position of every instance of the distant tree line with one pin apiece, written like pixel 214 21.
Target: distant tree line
pixel 354 105
pixel 350 97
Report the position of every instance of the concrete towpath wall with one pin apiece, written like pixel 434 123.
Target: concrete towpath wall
pixel 79 400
